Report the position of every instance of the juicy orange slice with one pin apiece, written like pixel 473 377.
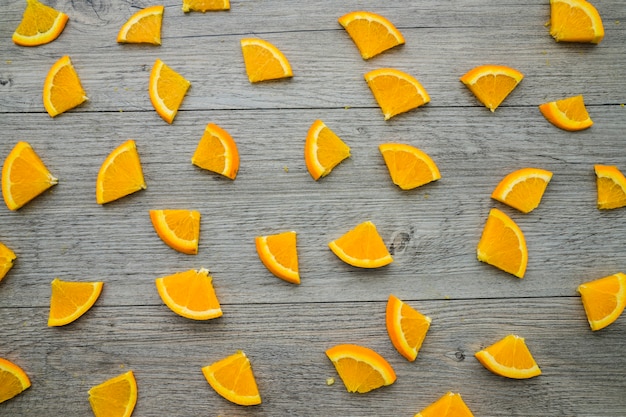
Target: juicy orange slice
pixel 217 152
pixel 14 380
pixel 395 91
pixel 264 61
pixel 70 300
pixel 406 327
pixel 372 33
pixel 24 176
pixel 522 189
pixel 503 245
pixel 143 27
pixel 114 397
pixel 179 229
pixel 510 358
pixel 491 84
pixel 167 90
pixel 323 150
pixel 360 368
pixel 7 256
pixel 40 24
pixel 611 185
pixel 205 5
pixel 279 254
pixel 120 174
pixel 408 166
pixel 232 378
pixel 62 89
pixel 575 21
pixel 568 114
pixel 362 247
pixel 604 299
pixel 190 294
pixel 448 405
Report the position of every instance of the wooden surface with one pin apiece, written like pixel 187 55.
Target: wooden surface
pixel 432 231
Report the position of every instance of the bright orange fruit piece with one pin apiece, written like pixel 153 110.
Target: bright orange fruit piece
pixel 143 27
pixel 205 5
pixel 611 185
pixel 503 245
pixel 13 380
pixel 167 89
pixel 70 300
pixel 190 294
pixel 448 405
pixel 395 91
pixel 406 327
pixel 7 256
pixel 120 174
pixel 568 114
pixel 371 33
pixel 40 24
pixel 575 21
pixel 115 397
pixel 360 368
pixel 233 379
pixel 217 152
pixel 24 176
pixel 509 357
pixel 62 89
pixel 491 84
pixel 522 189
pixel 179 229
pixel 604 299
pixel 408 166
pixel 362 247
pixel 279 254
pixel 323 150
pixel 264 61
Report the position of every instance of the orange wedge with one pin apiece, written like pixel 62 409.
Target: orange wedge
pixel 361 369
pixel 167 89
pixel 604 299
pixel 24 176
pixel 13 380
pixel 371 33
pixel 70 300
pixel 264 61
pixel 503 245
pixel 362 247
pixel 448 405
pixel 205 5
pixel 510 358
pixel 395 91
pixel 279 254
pixel 40 24
pixel 217 152
pixel 522 189
pixel 575 21
pixel 406 327
pixel 179 229
pixel 491 84
pixel 232 378
pixel 7 256
pixel 143 27
pixel 568 114
pixel 611 185
pixel 120 174
pixel 323 150
pixel 190 294
pixel 408 166
pixel 115 397
pixel 62 89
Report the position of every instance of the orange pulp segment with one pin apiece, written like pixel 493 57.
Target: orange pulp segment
pixel 205 5
pixel 217 152
pixel 167 89
pixel 360 368
pixel 371 33
pixel 190 294
pixel 233 379
pixel 323 150
pixel 264 61
pixel 509 357
pixel 448 405
pixel 40 24
pixel 70 300
pixel 568 114
pixel 408 166
pixel 143 27
pixel 115 397
pixel 62 89
pixel 179 229
pixel 604 299
pixel 279 255
pixel 362 247
pixel 395 91
pixel 611 185
pixel 7 256
pixel 575 21
pixel 522 189
pixel 406 327
pixel 120 174
pixel 13 380
pixel 491 84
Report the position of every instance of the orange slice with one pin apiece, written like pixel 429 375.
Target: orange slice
pixel 323 150
pixel 62 89
pixel 205 5
pixel 491 84
pixel 568 114
pixel 408 166
pixel 362 247
pixel 510 358
pixel 190 294
pixel 406 327
pixel 7 256
pixel 372 33
pixel 604 299
pixel 120 174
pixel 70 300
pixel 395 91
pixel 13 380
pixel 264 61
pixel 503 245
pixel 114 397
pixel 179 229
pixel 522 189
pixel 143 27
pixel 167 90
pixel 448 405
pixel 217 152
pixel 24 176
pixel 611 185
pixel 40 24
pixel 361 369
pixel 232 378
pixel 279 254
pixel 575 21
